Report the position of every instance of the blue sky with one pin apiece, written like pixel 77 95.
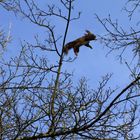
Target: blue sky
pixel 90 63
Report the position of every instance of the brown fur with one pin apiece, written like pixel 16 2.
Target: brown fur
pixel 76 44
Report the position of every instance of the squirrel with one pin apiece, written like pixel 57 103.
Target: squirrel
pixel 76 44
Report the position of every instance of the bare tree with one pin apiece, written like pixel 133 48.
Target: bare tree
pixel 40 101
pixel 4 40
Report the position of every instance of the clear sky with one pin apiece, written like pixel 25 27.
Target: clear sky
pixel 90 63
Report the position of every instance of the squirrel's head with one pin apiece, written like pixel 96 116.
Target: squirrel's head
pixel 90 35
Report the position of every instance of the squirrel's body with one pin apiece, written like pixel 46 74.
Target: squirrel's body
pixel 76 44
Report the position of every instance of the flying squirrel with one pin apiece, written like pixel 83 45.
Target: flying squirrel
pixel 77 43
